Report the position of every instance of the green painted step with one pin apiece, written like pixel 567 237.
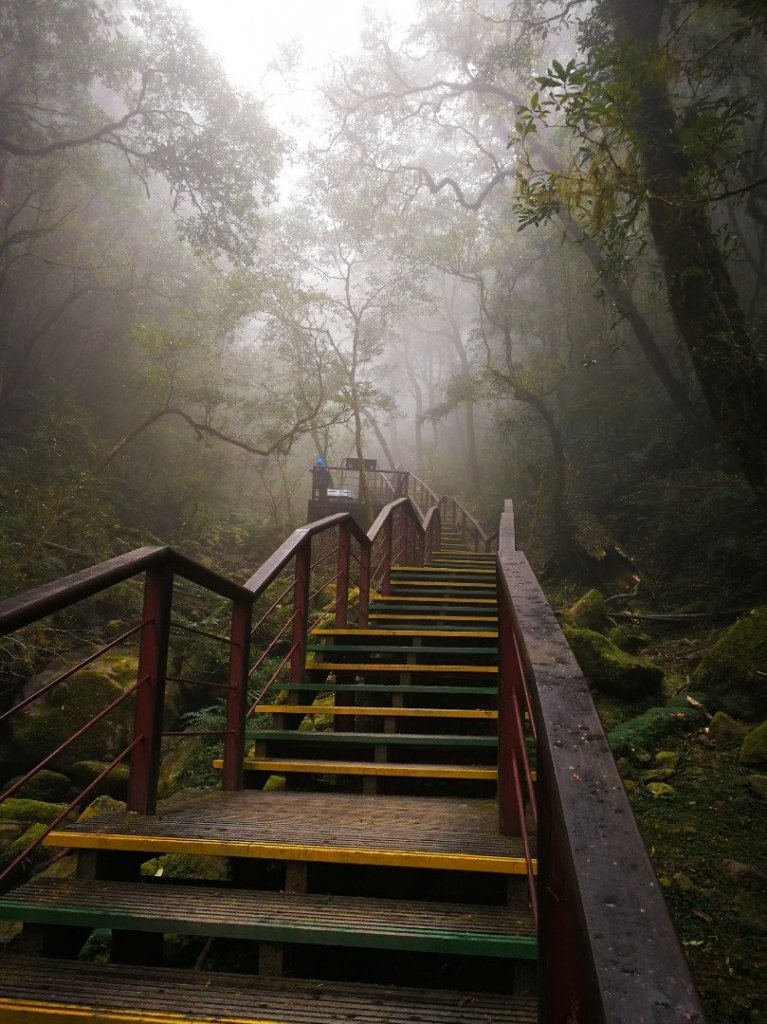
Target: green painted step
pixel 392 607
pixel 383 739
pixel 316 919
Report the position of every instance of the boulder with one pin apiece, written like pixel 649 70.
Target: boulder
pixel 758 784
pixel 610 669
pixel 725 731
pixel 645 732
pixel 661 790
pixel 733 672
pixel 29 812
pixel 754 749
pixel 52 719
pixel 46 785
pixel 115 784
pixel 103 805
pixel 588 612
pixel 628 638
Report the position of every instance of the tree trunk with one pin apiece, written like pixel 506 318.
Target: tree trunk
pixel 703 299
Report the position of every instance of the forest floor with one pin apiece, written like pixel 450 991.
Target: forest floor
pixel 708 844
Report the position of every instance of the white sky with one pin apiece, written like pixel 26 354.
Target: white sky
pixel 247 33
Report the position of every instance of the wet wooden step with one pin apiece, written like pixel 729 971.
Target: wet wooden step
pixel 436 572
pixel 370 739
pixel 399 649
pixel 375 711
pixel 394 831
pixel 394 689
pixel 367 769
pixel 274 916
pixel 444 617
pixel 414 634
pixel 389 666
pixel 434 600
pixel 46 991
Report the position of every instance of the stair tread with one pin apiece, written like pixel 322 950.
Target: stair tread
pixel 490 634
pixel 253 914
pixel 332 827
pixel 399 666
pixel 397 649
pixel 374 711
pixel 43 988
pixel 278 766
pixel 368 738
pixel 394 688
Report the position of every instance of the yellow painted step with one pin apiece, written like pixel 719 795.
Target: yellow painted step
pixel 435 599
pixel 488 634
pixel 400 771
pixel 378 666
pixel 377 712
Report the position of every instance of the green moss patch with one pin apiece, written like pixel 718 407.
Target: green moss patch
pixel 589 612
pixel 648 731
pixel 734 672
pixel 610 669
pixel 48 722
pixel 754 749
pixel 29 812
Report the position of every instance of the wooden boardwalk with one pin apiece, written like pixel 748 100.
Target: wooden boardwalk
pixel 382 859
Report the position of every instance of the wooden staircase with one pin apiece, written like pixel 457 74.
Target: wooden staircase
pixel 374 887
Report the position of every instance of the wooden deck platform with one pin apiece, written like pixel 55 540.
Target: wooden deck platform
pixel 115 994
pixel 447 833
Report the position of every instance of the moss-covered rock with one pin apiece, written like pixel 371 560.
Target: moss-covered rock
pixel 103 805
pixel 725 731
pixel 758 784
pixel 733 672
pixel 38 855
pixel 628 638
pixel 645 732
pixel 51 720
pixel 189 866
pixel 610 669
pixel 588 612
pixel 754 749
pixel 29 812
pixel 47 786
pixel 115 784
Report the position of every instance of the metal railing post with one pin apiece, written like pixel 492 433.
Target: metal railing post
pixel 300 611
pixel 150 697
pixel 364 584
pixel 237 697
pixel 342 578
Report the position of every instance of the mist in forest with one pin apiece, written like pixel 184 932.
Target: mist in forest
pixel 480 241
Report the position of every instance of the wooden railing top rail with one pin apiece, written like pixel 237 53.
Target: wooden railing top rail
pixel 384 514
pixel 277 561
pixel 636 969
pixel 35 604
